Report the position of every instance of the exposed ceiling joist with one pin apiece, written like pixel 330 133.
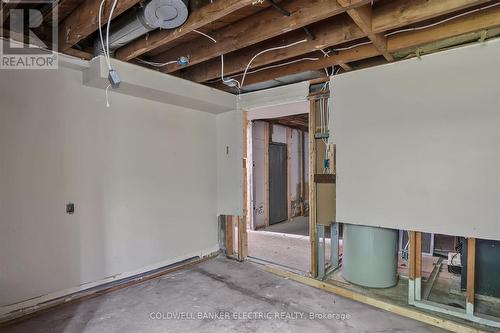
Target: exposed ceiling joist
pixel 199 18
pixel 478 21
pixel 64 8
pixel 362 16
pixel 329 35
pixel 486 19
pixel 83 21
pixel 400 13
pixel 264 25
pixel 336 32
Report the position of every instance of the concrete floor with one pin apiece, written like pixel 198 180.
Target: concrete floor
pixel 219 285
pixel 296 226
pixel 286 243
pixel 292 251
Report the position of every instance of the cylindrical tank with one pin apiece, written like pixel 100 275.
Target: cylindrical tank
pixel 370 257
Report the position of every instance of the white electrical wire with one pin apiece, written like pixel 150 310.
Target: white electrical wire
pixel 105 48
pixel 227 81
pixel 280 65
pixel 110 17
pixel 268 50
pixel 442 21
pixel 268 67
pixel 107 95
pixel 99 18
pixel 204 34
pixel 157 64
pixel 238 84
pixel 351 47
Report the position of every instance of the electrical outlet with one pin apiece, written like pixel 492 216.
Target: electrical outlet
pixel 70 208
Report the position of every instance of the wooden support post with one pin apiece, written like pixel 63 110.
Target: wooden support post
pixel 411 267
pixel 229 235
pixel 471 268
pixel 418 266
pixel 242 238
pixel 302 174
pixel 312 187
pixel 289 171
pixel 267 135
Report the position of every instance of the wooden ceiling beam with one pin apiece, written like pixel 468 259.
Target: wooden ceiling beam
pixel 360 52
pixel 83 21
pixel 339 31
pixel 64 8
pixel 264 25
pixel 332 34
pixel 478 21
pixel 397 14
pixel 346 67
pixel 362 16
pixel 197 19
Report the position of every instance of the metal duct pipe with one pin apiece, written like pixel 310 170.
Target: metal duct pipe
pixel 163 14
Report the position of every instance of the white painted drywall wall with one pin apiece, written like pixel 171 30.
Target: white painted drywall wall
pixel 142 174
pixel 418 143
pixel 291 93
pixel 276 111
pixel 230 162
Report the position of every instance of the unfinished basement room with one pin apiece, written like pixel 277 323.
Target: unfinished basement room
pixel 250 166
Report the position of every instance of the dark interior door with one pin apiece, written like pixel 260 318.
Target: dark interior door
pixel 278 211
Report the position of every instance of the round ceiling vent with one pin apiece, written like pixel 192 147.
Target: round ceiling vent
pixel 166 14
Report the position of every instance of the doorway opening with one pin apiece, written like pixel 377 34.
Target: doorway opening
pixel 278 185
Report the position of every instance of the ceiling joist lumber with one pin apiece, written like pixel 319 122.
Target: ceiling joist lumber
pixel 482 20
pixel 83 21
pixel 64 8
pixel 199 18
pixel 478 21
pixel 264 25
pixel 397 14
pixel 338 32
pixel 362 16
pixel 329 35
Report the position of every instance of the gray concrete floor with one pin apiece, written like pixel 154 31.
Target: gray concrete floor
pixel 297 226
pixel 214 286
